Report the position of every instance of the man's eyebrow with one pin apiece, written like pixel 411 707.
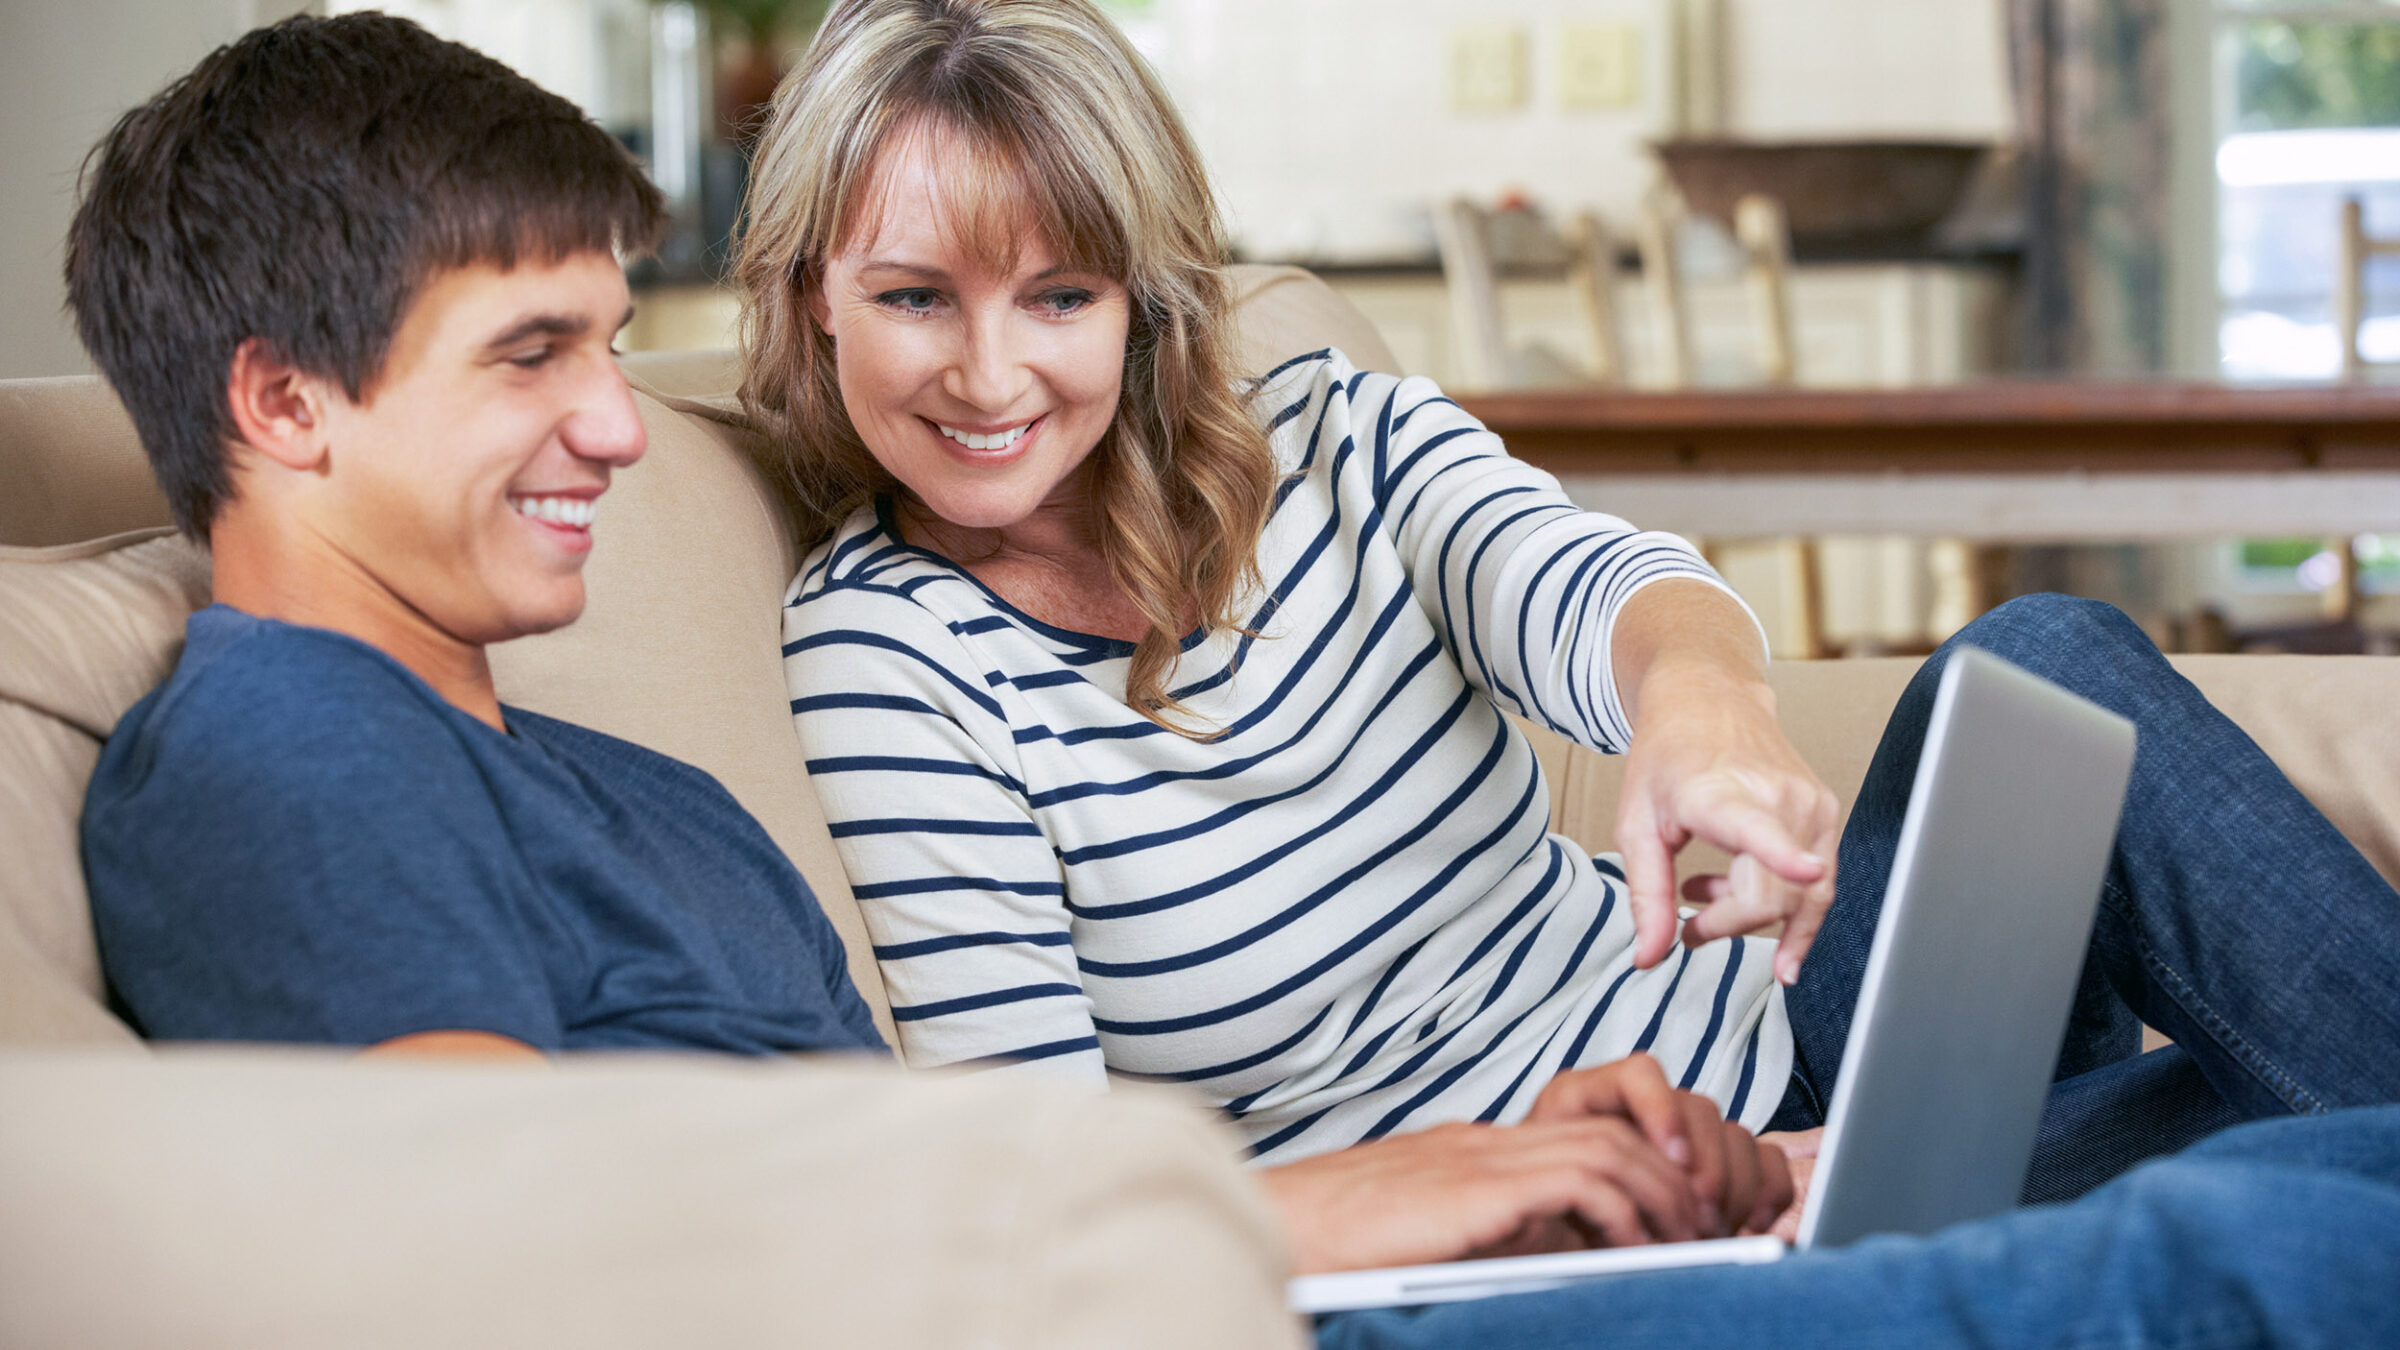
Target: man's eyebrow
pixel 540 325
pixel 550 325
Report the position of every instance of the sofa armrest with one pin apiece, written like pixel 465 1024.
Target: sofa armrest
pixel 296 1198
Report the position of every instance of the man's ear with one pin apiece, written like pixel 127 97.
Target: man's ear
pixel 278 409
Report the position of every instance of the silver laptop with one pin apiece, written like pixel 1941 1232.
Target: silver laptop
pixel 1964 1004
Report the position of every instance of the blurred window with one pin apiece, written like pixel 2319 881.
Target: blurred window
pixel 2309 113
pixel 2308 98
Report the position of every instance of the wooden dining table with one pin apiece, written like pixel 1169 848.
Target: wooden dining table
pixel 2018 461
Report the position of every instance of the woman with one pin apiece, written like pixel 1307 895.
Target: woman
pixel 1158 713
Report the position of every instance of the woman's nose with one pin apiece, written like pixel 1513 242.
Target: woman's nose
pixel 989 371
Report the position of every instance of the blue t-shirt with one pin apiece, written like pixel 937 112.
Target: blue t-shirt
pixel 296 839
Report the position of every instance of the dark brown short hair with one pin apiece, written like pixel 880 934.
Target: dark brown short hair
pixel 300 186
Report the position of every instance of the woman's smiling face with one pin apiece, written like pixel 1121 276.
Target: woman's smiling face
pixel 982 389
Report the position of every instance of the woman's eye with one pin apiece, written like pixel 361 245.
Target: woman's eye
pixel 916 300
pixel 1064 301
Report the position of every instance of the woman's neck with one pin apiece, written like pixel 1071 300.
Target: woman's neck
pixel 1050 564
pixel 1062 535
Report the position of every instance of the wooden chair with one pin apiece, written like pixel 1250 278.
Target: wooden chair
pixel 1592 280
pixel 1801 567
pixel 1478 333
pixel 2357 250
pixel 1765 239
pixel 1483 357
pixel 1954 586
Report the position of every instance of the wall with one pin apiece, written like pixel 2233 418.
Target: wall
pixel 67 71
pixel 1932 68
pixel 1329 126
pixel 70 68
pixel 554 43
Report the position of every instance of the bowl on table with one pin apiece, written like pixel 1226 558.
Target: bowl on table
pixel 1837 195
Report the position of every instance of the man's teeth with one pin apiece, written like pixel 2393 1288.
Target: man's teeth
pixel 575 511
pixel 998 440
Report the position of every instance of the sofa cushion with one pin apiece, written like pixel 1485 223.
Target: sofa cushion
pixel 304 1199
pixel 85 630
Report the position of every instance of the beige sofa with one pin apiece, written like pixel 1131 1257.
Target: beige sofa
pixel 261 1198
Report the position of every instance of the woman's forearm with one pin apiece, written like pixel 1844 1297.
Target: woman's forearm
pixel 1683 638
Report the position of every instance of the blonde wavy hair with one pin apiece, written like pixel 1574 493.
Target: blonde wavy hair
pixel 1069 127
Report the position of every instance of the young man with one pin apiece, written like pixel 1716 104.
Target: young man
pixel 357 287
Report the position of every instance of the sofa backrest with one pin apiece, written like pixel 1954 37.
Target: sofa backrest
pixel 679 648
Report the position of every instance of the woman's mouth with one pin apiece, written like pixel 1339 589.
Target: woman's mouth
pixel 987 444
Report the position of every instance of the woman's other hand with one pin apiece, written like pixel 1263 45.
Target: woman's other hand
pixel 1740 1184
pixel 1463 1190
pixel 1710 762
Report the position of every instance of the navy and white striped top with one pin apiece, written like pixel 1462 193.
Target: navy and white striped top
pixel 1345 916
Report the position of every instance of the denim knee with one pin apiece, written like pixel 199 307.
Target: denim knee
pixel 2052 634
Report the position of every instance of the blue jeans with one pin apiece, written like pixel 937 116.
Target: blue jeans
pixel 2234 918
pixel 2282 1232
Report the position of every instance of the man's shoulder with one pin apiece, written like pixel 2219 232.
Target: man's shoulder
pixel 256 705
pixel 620 764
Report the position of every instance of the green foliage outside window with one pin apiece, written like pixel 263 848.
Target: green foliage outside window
pixel 2271 560
pixel 2289 76
pixel 2264 554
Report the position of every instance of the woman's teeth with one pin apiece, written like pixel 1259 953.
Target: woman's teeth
pixel 998 440
pixel 573 511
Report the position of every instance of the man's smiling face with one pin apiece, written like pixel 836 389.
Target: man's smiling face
pixel 463 483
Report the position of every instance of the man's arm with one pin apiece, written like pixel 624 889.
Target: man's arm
pixel 454 1045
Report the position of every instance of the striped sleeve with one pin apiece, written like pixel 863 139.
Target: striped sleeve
pixel 1524 585
pixel 962 895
